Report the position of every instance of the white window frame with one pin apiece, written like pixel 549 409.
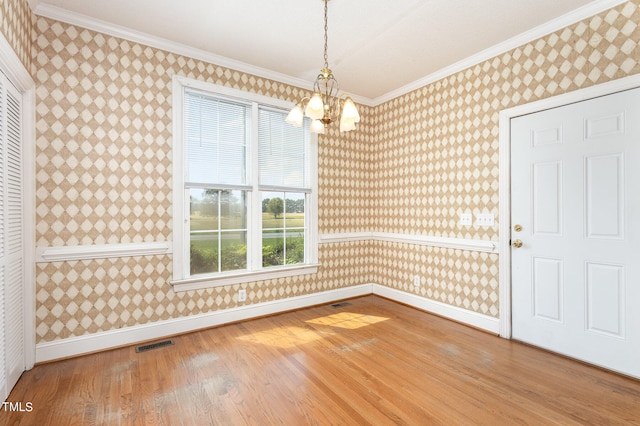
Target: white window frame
pixel 182 281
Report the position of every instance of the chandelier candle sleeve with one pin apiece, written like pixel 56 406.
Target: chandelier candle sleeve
pixel 315 107
pixel 317 127
pixel 325 105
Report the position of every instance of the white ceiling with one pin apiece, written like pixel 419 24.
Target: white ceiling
pixel 376 47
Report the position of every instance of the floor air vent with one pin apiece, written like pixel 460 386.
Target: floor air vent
pixel 340 305
pixel 155 345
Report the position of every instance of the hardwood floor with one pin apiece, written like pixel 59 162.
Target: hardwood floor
pixel 371 362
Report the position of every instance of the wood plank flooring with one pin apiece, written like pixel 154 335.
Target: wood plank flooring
pixel 371 362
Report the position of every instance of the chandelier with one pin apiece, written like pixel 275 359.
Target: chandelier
pixel 325 106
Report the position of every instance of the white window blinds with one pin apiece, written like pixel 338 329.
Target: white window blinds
pixel 283 153
pixel 215 132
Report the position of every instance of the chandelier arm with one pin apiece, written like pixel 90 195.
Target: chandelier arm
pixel 333 89
pixel 303 102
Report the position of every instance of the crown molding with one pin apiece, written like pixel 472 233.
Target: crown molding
pixel 563 21
pixel 33 4
pixel 80 20
pixel 73 18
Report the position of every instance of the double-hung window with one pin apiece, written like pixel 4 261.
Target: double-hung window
pixel 245 188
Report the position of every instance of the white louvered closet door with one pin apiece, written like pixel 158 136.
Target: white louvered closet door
pixel 11 239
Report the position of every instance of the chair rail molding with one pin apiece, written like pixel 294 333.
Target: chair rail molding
pixel 486 246
pixel 101 251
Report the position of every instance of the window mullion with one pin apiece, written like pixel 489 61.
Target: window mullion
pixel 219 214
pixel 311 204
pixel 186 234
pixel 284 228
pixel 254 250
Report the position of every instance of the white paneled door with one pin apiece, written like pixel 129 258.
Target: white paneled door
pixel 575 197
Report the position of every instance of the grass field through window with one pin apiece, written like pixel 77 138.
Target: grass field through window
pixel 275 251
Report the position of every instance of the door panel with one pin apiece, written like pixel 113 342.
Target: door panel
pixel 576 278
pixel 604 125
pixel 604 189
pixel 548 288
pixel 605 299
pixel 547 198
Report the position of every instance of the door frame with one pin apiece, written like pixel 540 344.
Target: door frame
pixel 504 177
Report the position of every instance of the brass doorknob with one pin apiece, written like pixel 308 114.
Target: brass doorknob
pixel 516 243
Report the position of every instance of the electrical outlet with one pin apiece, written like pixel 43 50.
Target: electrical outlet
pixel 466 219
pixel 242 295
pixel 416 281
pixel 485 219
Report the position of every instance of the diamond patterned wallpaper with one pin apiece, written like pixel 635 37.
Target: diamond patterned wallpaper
pixel 104 176
pixel 438 145
pixel 465 279
pixel 416 162
pixel 345 175
pixel 437 151
pixel 104 141
pixel 103 145
pixel 89 296
pixel 16 26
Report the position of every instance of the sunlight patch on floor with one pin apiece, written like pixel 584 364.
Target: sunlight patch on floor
pixel 282 337
pixel 347 320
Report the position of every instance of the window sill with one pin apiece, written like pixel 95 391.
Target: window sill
pixel 242 277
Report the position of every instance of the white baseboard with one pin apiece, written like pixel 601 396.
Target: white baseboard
pixel 74 346
pixel 79 345
pixel 454 313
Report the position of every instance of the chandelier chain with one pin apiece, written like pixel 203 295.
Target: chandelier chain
pixel 326 38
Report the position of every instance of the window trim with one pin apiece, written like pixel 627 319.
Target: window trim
pixel 182 281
